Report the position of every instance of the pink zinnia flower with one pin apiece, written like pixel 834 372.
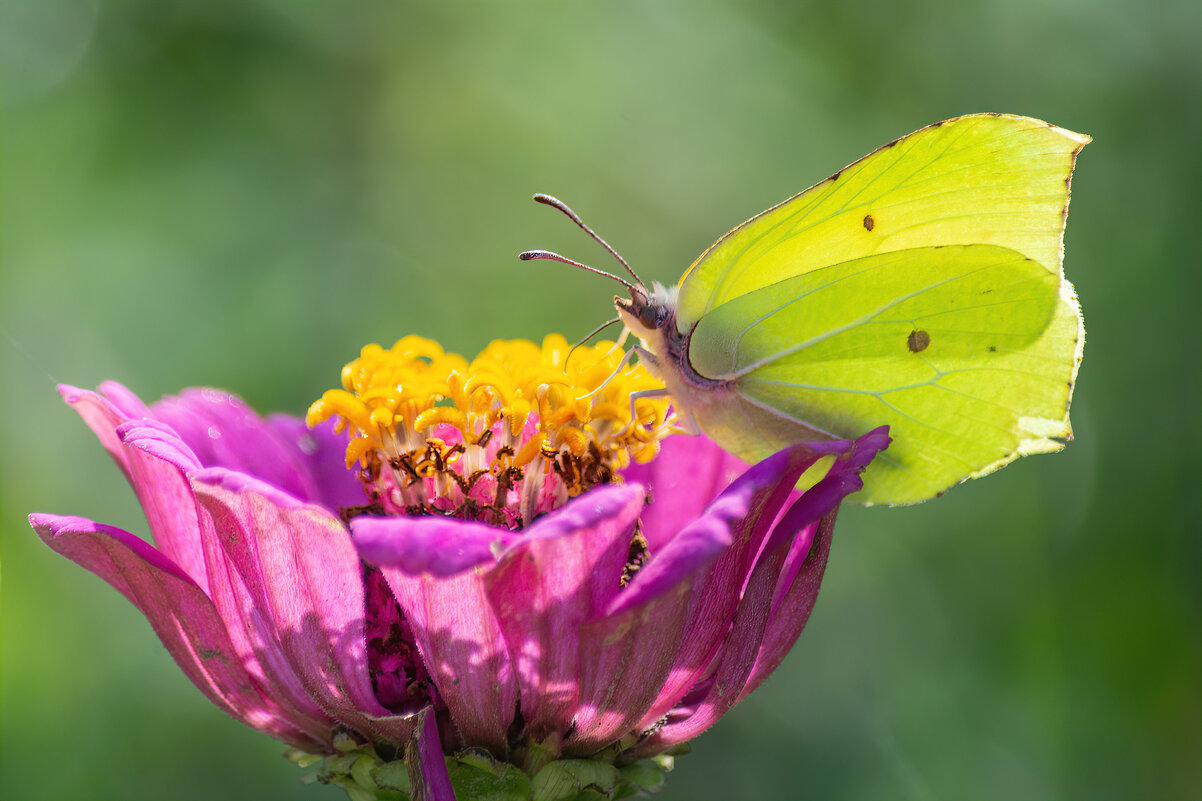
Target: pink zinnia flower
pixel 531 576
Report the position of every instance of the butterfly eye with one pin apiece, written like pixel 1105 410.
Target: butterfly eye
pixel 649 317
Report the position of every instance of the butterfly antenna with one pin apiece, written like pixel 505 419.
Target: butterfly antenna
pixel 589 336
pixel 546 254
pixel 556 203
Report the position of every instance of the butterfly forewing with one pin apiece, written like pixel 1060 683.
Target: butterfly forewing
pixel 979 179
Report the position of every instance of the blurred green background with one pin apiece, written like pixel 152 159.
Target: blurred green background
pixel 241 195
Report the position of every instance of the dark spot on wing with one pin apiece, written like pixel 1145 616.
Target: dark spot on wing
pixel 891 144
pixel 835 177
pixel 937 124
pixel 869 223
pixel 992 348
pixel 986 291
pixel 918 341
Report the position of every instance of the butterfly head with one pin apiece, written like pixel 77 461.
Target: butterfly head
pixel 646 311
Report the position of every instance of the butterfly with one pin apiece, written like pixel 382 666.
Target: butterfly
pixel 920 287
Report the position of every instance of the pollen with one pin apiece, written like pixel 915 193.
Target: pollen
pixel 512 434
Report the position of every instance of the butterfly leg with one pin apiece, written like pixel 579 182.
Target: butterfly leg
pixel 686 424
pixel 622 365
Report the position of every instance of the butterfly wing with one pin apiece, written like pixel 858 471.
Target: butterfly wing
pixel 955 348
pixel 979 179
pixel 901 328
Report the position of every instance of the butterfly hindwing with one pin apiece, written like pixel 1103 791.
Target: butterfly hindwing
pixel 952 347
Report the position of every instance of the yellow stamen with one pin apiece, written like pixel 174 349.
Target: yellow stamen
pixel 402 406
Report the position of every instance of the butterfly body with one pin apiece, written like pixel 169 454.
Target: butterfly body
pixel 920 287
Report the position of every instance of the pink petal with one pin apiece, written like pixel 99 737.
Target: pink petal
pixel 779 595
pixel 628 656
pixel 715 586
pixel 797 591
pixel 561 574
pixel 125 401
pixel 164 494
pixel 298 564
pixel 180 613
pixel 224 432
pixel 428 775
pixel 158 440
pixel 253 638
pixel 322 454
pixel 438 546
pixel 460 642
pixel 735 661
pixel 688 473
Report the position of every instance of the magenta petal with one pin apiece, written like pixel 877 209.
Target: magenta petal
pixel 797 591
pixel 745 510
pixel 424 561
pixel 781 591
pixel 158 440
pixel 103 417
pixel 428 775
pixel 561 574
pixel 224 432
pixel 162 490
pixel 125 401
pixel 322 454
pixel 255 637
pixel 688 473
pixel 759 639
pixel 180 613
pixel 437 546
pixel 735 661
pixel 696 546
pixel 461 645
pixel 628 657
pixel 298 564
pixel 842 480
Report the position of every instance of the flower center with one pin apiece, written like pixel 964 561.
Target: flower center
pixel 510 435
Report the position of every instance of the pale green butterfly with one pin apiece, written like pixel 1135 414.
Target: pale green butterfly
pixel 920 287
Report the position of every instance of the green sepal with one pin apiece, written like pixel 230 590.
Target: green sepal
pixel 566 779
pixel 478 777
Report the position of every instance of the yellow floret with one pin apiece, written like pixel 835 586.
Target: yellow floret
pixel 391 398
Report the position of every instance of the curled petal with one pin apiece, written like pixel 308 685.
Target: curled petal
pixel 161 488
pixel 298 563
pixel 437 546
pixel 180 613
pixel 746 510
pixel 562 573
pixel 224 432
pixel 158 440
pixel 778 597
pixel 797 590
pixel 681 481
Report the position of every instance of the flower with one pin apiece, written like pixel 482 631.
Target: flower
pixel 542 573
